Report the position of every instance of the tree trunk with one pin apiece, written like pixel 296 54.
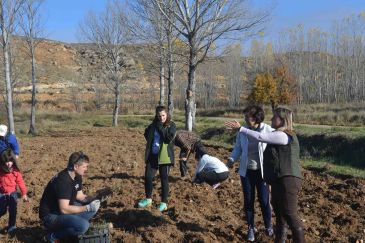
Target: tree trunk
pixel 190 107
pixel 170 97
pixel 116 102
pixel 9 91
pixel 162 82
pixel 32 128
pixel 171 79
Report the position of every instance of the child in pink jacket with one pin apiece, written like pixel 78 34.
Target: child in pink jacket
pixel 10 178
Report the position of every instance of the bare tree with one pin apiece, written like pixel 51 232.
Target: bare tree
pixel 234 75
pixel 147 27
pixel 202 23
pixel 8 14
pixel 108 31
pixel 32 30
pixel 154 28
pixel 207 86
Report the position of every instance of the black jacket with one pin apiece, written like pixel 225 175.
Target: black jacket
pixel 167 135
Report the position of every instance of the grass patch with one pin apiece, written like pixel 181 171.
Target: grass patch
pixel 327 166
pixel 349 132
pixel 343 147
pixel 349 114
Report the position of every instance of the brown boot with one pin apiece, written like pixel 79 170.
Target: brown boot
pixel 298 235
pixel 281 234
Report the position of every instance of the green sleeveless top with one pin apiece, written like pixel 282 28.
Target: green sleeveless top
pixel 163 155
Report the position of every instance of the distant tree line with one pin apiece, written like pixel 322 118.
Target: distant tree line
pixel 182 39
pixel 327 67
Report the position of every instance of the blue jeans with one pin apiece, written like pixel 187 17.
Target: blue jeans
pixel 65 225
pixel 9 202
pixel 253 180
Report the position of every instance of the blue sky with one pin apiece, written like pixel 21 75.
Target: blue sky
pixel 62 17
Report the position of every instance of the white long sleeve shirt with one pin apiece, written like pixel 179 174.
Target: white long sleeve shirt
pixel 210 163
pixel 275 137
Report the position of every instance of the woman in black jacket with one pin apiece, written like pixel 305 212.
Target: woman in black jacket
pixel 159 155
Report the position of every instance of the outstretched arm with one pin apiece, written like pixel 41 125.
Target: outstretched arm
pixel 276 137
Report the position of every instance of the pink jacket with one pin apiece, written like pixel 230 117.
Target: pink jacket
pixel 9 181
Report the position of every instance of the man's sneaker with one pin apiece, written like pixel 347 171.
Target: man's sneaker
pixel 162 207
pixel 251 233
pixel 269 231
pixel 11 229
pixel 52 239
pixel 145 203
pixel 215 186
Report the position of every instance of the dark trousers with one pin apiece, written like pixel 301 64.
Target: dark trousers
pixel 150 172
pixel 250 183
pixel 284 193
pixel 9 202
pixel 212 177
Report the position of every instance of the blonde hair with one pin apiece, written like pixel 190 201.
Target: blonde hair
pixel 286 115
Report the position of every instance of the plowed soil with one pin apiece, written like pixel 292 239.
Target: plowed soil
pixel 332 208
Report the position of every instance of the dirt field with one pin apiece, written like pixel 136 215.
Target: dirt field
pixel 332 208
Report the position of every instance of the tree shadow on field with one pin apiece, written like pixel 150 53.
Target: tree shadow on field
pixel 184 227
pixel 174 179
pixel 122 175
pixel 27 235
pixel 132 220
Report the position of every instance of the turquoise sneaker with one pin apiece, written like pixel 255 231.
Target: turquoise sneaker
pixel 162 207
pixel 145 203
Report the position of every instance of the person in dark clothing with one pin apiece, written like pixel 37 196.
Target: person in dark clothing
pixel 282 171
pixel 159 155
pixel 64 209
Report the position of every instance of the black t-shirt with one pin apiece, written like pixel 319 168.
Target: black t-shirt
pixel 61 186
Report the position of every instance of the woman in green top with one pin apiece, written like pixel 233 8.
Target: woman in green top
pixel 159 155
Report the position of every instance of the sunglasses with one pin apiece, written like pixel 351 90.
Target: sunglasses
pixel 82 156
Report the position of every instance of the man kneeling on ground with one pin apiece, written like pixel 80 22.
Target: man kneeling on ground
pixel 64 209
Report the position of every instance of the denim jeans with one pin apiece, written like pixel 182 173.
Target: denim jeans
pixel 65 225
pixel 250 183
pixel 9 202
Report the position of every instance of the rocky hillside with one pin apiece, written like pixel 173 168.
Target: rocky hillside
pixel 69 77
